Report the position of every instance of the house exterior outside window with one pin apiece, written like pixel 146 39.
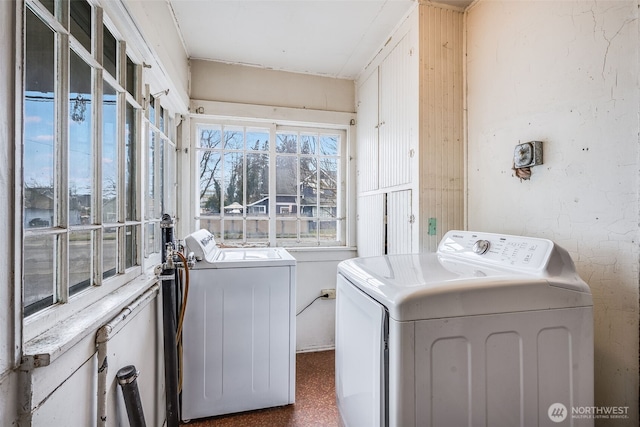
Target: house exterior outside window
pixel 271 185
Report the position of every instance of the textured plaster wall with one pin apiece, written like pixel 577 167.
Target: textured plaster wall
pixel 565 73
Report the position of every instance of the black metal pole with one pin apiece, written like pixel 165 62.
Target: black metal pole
pixel 127 378
pixel 169 328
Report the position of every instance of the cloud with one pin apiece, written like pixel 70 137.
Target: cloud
pixel 32 119
pixel 42 138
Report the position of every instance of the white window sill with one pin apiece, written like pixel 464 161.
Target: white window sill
pixel 43 349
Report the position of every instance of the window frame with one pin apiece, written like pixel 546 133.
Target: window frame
pixel 65 306
pixel 277 119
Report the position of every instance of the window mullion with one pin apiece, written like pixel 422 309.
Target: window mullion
pixel 121 119
pixel 298 181
pixel 318 190
pixel 140 181
pixel 98 91
pixel 97 207
pixel 272 186
pixel 244 184
pixel 62 164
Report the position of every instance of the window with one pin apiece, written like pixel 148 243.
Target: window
pixel 83 129
pixel 271 185
pixel 161 159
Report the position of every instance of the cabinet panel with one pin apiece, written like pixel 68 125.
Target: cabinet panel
pixel 370 225
pixel 399 222
pixel 398 119
pixel 367 143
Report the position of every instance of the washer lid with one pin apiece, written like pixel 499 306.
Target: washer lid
pixel 452 283
pixel 252 257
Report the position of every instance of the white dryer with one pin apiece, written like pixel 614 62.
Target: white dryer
pixel 239 329
pixel 490 331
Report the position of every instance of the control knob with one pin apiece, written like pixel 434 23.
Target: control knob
pixel 481 246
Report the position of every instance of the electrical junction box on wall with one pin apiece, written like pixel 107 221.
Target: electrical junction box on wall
pixel 527 154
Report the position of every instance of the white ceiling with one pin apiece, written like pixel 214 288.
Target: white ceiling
pixel 335 38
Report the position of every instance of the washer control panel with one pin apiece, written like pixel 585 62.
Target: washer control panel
pixel 202 244
pixel 527 253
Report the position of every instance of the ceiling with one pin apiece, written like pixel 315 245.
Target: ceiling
pixel 335 38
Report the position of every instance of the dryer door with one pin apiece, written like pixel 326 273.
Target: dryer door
pixel 360 357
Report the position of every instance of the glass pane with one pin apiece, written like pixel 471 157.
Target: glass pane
pixel 213 225
pixel 80 142
pixel 233 176
pixel 152 110
pixel 109 52
pixel 131 78
pixel 169 178
pixel 287 230
pixel 308 185
pixel 329 182
pixel 287 143
pixel 286 185
pixel 257 230
pixel 39 119
pixel 308 144
pixel 131 246
pixel 162 161
pixel 328 231
pixel 158 238
pixel 50 5
pixel 210 182
pixel 233 230
pixel 258 139
pixel 257 184
pixel 130 164
pixel 109 155
pixel 150 237
pixel 80 12
pixel 233 138
pixel 329 145
pixel 161 121
pixel 39 276
pixel 309 231
pixel 80 265
pixel 151 176
pixel 210 137
pixel 171 128
pixel 109 251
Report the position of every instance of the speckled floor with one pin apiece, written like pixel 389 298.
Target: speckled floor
pixel 315 400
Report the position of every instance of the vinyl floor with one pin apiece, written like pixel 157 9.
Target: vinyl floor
pixel 315 400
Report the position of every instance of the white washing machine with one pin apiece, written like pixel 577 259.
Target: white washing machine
pixel 239 329
pixel 491 330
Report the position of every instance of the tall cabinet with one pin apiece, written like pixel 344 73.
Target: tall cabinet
pixel 410 152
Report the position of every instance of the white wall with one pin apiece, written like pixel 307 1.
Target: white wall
pixel 565 73
pixel 315 327
pixel 215 81
pixel 155 21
